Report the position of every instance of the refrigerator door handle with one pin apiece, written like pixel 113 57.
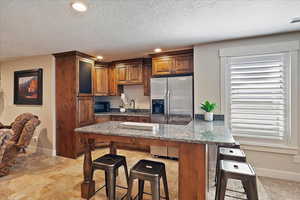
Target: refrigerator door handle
pixel 168 104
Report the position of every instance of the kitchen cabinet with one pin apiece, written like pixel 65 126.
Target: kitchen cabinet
pixel 135 72
pixel 172 63
pixel 121 74
pixel 129 72
pixel 183 64
pixel 130 118
pixel 85 108
pixel 162 65
pixel 112 85
pixel 74 100
pixel 102 118
pixel 101 81
pixel 147 76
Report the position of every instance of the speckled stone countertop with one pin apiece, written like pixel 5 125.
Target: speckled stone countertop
pixel 134 114
pixel 196 131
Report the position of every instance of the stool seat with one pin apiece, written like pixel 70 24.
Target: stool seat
pixel 109 160
pixel 152 171
pixel 232 152
pixel 148 168
pixel 239 171
pixel 237 167
pixel 225 153
pixel 110 163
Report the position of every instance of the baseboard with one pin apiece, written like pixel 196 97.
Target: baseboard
pixel 278 174
pixel 42 150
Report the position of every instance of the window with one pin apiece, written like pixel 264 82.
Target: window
pixel 258 95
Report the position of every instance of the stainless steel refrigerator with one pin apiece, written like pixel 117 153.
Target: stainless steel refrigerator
pixel 171 103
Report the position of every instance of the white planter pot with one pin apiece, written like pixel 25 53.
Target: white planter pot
pixel 209 116
pixel 122 110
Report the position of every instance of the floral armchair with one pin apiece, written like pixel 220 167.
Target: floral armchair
pixel 15 138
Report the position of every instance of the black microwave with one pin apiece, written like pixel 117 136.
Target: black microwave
pixel 102 106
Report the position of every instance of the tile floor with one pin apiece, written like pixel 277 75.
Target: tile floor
pixel 40 177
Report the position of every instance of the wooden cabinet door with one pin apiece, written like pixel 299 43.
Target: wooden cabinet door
pixel 104 118
pixel 85 111
pixel 162 65
pixel 101 81
pixel 183 64
pixel 112 85
pixel 144 119
pixel 146 78
pixel 135 73
pixel 118 118
pixel 121 73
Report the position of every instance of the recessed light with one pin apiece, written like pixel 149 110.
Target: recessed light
pixel 79 6
pixel 157 50
pixel 295 20
pixel 99 57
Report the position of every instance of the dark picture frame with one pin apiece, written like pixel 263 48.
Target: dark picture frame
pixel 28 87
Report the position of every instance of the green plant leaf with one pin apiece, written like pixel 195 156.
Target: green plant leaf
pixel 208 107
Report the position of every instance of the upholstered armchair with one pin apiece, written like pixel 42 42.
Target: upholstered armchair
pixel 15 138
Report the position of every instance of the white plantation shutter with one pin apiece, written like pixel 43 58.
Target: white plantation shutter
pixel 258 91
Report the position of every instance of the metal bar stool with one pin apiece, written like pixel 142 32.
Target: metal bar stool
pixel 240 171
pixel 110 164
pixel 146 170
pixel 229 154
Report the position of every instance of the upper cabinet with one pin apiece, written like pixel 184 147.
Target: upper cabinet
pixel 162 65
pixel 146 76
pixel 129 72
pixel 121 73
pixel 112 85
pixel 105 80
pixel 101 80
pixel 135 72
pixel 172 63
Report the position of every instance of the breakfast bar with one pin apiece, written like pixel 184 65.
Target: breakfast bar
pixel 191 139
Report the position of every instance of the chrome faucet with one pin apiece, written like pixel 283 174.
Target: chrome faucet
pixel 132 104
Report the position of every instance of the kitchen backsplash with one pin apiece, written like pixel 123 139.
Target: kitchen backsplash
pixel 135 92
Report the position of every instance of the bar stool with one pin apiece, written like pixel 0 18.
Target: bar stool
pixel 229 154
pixel 146 170
pixel 110 164
pixel 239 171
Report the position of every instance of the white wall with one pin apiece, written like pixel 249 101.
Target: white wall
pixel 135 92
pixel 207 86
pixel 46 112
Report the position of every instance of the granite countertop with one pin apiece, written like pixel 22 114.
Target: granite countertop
pixel 197 131
pixel 133 114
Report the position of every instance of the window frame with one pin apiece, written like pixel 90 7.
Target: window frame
pixel 291 48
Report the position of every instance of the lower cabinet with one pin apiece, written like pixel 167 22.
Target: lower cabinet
pixel 102 118
pixel 85 108
pixel 130 118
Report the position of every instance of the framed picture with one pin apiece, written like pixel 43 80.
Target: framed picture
pixel 28 87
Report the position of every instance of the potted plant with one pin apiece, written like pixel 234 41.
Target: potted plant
pixel 208 107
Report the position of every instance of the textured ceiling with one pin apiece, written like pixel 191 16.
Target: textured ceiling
pixel 129 28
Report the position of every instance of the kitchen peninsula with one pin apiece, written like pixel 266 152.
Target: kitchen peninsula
pixel 191 139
